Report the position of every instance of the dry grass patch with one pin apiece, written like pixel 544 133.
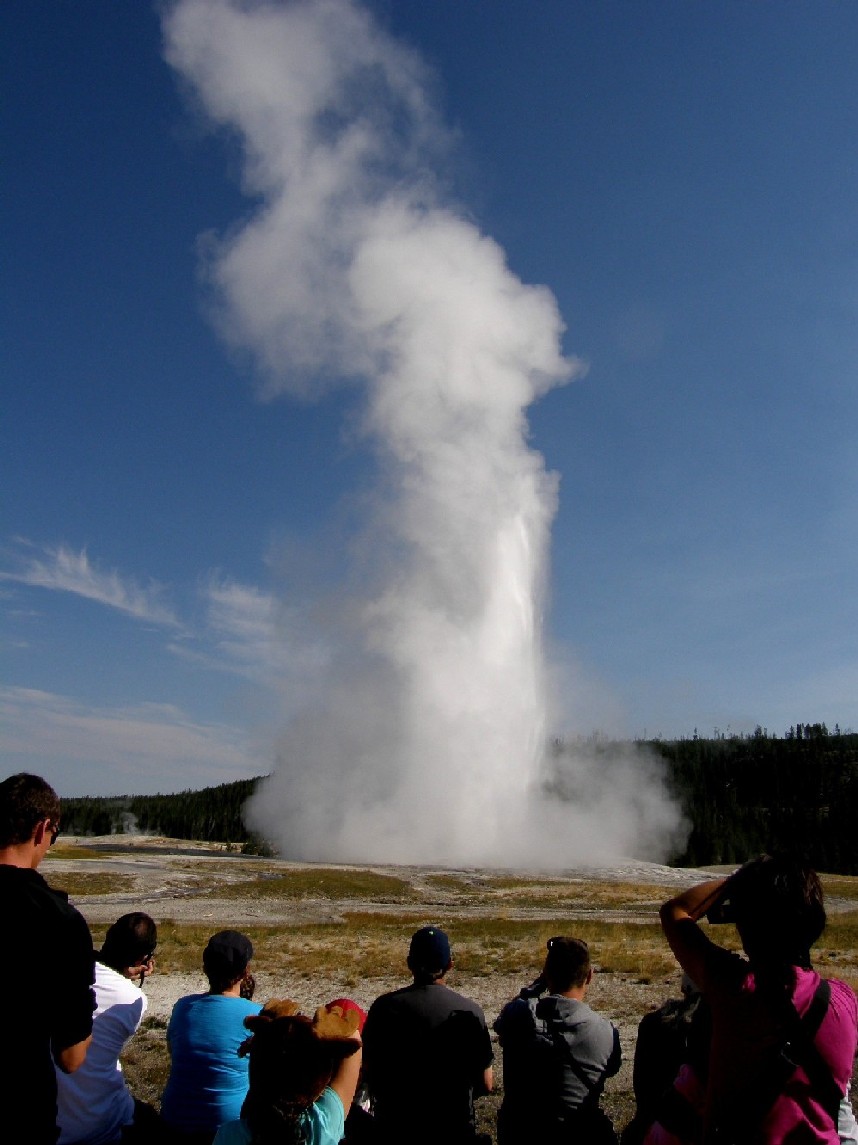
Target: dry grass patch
pixel 146 1061
pixel 457 884
pixel 377 945
pixel 69 851
pixel 516 946
pixel 372 945
pixel 840 886
pixel 321 882
pixel 836 954
pixel 552 893
pixel 78 884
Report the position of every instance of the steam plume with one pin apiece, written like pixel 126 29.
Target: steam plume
pixel 427 740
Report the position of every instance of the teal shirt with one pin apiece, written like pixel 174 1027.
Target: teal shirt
pixel 325 1122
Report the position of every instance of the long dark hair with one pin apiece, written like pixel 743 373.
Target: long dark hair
pixel 778 906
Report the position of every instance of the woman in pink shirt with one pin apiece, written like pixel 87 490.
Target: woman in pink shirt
pixel 783 1040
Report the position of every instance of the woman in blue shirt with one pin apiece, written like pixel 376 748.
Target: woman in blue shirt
pixel 208 1079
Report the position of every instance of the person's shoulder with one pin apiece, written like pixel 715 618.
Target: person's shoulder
pixel 442 1000
pixel 327 1118
pixel 604 1022
pixel 187 1002
pixel 20 876
pixel 389 998
pixel 843 997
pixel 573 1011
pixel 32 885
pixel 517 1007
pixel 726 972
pixel 69 916
pixel 331 1101
pixel 107 975
pixel 460 1001
pixel 515 1016
pixel 110 981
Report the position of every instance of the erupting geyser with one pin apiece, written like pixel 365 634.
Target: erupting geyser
pixel 426 739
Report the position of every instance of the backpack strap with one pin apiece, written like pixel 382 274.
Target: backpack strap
pixel 802 1051
pixel 797 1050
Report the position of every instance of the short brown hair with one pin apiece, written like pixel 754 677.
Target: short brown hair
pixel 567 963
pixel 25 800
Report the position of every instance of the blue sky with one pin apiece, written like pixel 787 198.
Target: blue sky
pixel 683 179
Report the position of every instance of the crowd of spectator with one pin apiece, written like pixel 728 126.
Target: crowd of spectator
pixel 758 1051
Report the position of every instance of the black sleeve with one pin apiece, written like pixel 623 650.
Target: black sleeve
pixel 515 1022
pixel 616 1058
pixel 73 996
pixel 375 1040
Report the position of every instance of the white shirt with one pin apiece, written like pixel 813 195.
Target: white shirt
pixel 93 1103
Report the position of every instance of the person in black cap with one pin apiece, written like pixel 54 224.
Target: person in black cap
pixel 427 1052
pixel 208 1080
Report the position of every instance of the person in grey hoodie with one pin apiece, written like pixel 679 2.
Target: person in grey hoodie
pixel 557 1055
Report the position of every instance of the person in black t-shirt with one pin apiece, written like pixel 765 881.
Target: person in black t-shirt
pixel 427 1053
pixel 46 966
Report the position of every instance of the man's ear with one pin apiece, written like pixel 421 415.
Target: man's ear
pixel 589 976
pixel 39 832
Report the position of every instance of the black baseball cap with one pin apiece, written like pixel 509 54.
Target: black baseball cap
pixel 227 953
pixel 429 950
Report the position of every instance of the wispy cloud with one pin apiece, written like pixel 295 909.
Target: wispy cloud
pixel 251 633
pixel 136 749
pixel 242 620
pixel 244 631
pixel 62 569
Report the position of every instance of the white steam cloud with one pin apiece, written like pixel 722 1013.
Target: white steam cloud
pixel 426 741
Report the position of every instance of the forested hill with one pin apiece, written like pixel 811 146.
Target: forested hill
pixel 215 813
pixel 745 795
pixel 741 794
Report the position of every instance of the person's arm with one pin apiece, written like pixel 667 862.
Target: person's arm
pixel 345 1080
pixel 679 921
pixel 73 999
pixel 485 1080
pixel 375 1040
pixel 616 1058
pixel 488 1083
pixel 70 1058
